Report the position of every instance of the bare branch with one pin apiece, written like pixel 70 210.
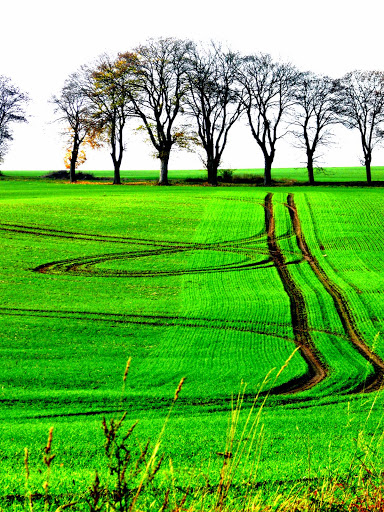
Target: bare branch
pixel 12 110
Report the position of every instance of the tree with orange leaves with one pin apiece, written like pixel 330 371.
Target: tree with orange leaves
pixel 73 105
pixel 110 91
pixel 94 140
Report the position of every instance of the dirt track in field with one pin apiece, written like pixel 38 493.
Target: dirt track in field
pixel 317 370
pixel 341 304
pixel 87 266
pixel 250 249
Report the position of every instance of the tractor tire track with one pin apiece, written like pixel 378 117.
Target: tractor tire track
pixel 157 320
pixel 84 266
pixel 317 370
pixel 274 258
pixel 55 233
pixel 376 381
pixel 136 319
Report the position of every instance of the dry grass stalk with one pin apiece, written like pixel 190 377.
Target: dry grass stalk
pixel 127 369
pixel 27 474
pixel 130 431
pixel 47 449
pixel 166 501
pixel 67 505
pixel 249 444
pixel 179 387
pixel 151 467
pixel 26 454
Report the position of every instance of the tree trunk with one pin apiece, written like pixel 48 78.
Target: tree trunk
pixel 74 155
pixel 116 144
pixel 116 175
pixel 368 169
pixel 164 159
pixel 116 161
pixel 212 167
pixel 268 170
pixel 116 167
pixel 311 177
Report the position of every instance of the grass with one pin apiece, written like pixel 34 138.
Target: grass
pixel 179 279
pixel 135 476
pixel 296 174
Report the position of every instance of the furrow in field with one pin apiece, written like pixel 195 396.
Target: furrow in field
pixel 55 233
pixel 341 305
pixel 85 266
pixel 155 320
pixel 317 371
pixel 354 254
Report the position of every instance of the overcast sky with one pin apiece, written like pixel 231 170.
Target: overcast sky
pixel 43 41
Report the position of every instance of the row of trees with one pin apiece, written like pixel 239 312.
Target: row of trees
pixel 189 96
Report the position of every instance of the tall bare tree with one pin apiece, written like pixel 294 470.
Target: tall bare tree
pixel 213 99
pixel 110 92
pixel 268 96
pixel 315 112
pixel 73 108
pixel 160 86
pixel 12 110
pixel 361 106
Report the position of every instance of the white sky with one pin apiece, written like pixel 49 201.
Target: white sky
pixel 43 41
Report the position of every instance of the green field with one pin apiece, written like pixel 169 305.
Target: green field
pixel 218 285
pixel 300 175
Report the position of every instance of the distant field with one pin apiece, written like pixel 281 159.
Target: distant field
pixel 329 174
pixel 218 285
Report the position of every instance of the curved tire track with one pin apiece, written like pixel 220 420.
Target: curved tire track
pixel 85 266
pixel 317 371
pixel 341 304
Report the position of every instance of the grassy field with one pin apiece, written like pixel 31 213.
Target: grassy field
pixel 218 285
pixel 300 175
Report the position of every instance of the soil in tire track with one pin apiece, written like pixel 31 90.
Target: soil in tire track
pixel 317 371
pixel 342 307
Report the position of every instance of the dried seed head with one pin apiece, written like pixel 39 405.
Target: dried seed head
pixel 48 460
pixel 179 389
pixel 126 369
pixel 156 469
pixel 47 449
pixel 26 462
pixel 225 455
pixel 165 502
pixel 130 431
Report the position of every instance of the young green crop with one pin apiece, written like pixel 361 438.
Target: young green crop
pixel 180 279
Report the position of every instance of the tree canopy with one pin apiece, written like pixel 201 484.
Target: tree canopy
pixel 361 106
pixel 189 96
pixel 12 110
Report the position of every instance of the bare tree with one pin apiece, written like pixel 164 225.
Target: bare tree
pixel 361 106
pixel 110 92
pixel 12 110
pixel 73 107
pixel 316 110
pixel 160 86
pixel 268 97
pixel 213 99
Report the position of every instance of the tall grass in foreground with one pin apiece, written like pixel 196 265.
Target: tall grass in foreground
pixel 132 480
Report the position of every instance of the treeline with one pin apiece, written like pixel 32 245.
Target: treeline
pixel 189 96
